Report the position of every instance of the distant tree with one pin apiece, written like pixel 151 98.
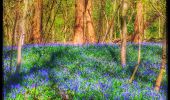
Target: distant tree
pixel 37 22
pixel 22 26
pixel 123 32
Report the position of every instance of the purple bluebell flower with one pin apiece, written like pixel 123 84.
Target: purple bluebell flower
pixel 7 69
pixel 33 85
pixel 13 95
pixel 123 65
pixel 103 86
pixel 75 88
pixel 4 92
pixel 64 86
pixel 44 72
pixel 79 73
pixel 18 86
pixel 23 91
pixel 106 75
pixel 136 84
pixel 106 96
pixel 126 95
pixel 124 86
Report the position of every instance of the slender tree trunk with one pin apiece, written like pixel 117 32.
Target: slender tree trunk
pixel 65 29
pixel 78 29
pixel 21 40
pixel 162 70
pixel 53 28
pixel 159 27
pixel 118 21
pixel 50 12
pixel 90 33
pixel 100 23
pixel 13 40
pixel 139 20
pixel 109 30
pixel 113 29
pixel 138 30
pixel 137 65
pixel 124 32
pixel 37 24
pixel 146 25
pixel 144 20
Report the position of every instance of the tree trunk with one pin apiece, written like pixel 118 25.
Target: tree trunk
pixel 37 24
pixel 139 20
pixel 159 27
pixel 137 65
pixel 21 40
pixel 101 23
pixel 162 70
pixel 90 33
pixel 138 30
pixel 78 29
pixel 109 30
pixel 13 40
pixel 124 32
pixel 147 24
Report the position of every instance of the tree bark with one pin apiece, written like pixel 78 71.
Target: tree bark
pixel 147 24
pixel 37 22
pixel 21 39
pixel 78 29
pixel 90 33
pixel 139 20
pixel 138 30
pixel 124 32
pixel 13 40
pixel 101 22
pixel 162 70
pixel 83 25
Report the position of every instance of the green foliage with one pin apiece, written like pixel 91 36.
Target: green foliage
pixel 130 28
pixel 109 7
pixel 59 22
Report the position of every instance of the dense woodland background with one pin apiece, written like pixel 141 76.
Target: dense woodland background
pixel 54 20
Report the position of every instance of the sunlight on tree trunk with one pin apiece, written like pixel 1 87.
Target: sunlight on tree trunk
pixel 137 65
pixel 78 29
pixel 138 20
pixel 36 37
pixel 84 25
pixel 124 32
pixel 90 33
pixel 21 39
pixel 13 35
pixel 139 31
pixel 100 25
pixel 163 68
pixel 159 27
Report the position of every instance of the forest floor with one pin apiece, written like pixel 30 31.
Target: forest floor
pixel 89 72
